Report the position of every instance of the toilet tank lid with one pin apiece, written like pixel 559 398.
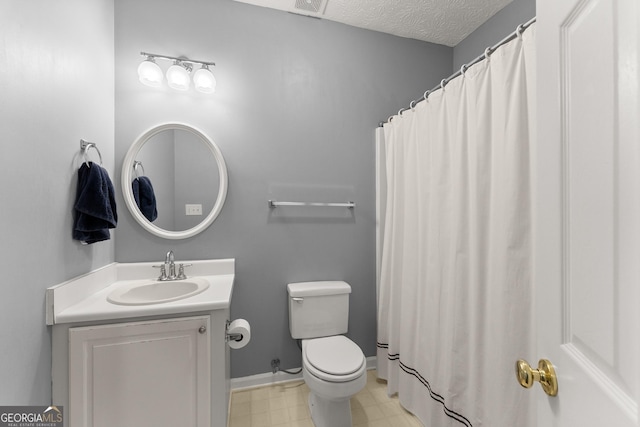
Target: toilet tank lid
pixel 311 289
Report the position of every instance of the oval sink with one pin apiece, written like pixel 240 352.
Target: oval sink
pixel 157 292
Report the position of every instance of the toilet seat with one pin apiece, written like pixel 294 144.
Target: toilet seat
pixel 334 359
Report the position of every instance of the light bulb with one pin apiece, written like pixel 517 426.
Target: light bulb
pixel 150 73
pixel 204 81
pixel 178 76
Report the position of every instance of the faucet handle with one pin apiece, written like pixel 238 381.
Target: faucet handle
pixel 163 271
pixel 181 274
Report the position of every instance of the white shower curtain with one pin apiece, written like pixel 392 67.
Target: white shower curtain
pixel 454 311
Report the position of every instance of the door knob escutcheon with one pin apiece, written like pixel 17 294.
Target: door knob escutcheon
pixel 545 375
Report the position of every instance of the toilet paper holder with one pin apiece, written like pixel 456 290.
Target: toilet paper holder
pixel 232 336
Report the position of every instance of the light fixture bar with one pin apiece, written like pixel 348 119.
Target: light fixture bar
pixel 173 58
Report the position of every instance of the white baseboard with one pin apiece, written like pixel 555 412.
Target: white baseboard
pixel 372 363
pixel 268 378
pixel 260 380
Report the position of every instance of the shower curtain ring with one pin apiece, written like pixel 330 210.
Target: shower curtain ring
pixel 520 31
pixel 426 95
pixel 402 110
pixel 487 52
pixel 463 69
pixel 443 83
pixel 412 105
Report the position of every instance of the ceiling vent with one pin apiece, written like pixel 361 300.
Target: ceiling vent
pixel 313 6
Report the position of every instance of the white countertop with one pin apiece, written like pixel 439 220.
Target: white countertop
pixel 84 298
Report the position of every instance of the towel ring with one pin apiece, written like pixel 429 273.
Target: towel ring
pixel 137 164
pixel 85 146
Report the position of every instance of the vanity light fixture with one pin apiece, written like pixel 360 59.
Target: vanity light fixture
pixel 204 81
pixel 178 74
pixel 150 73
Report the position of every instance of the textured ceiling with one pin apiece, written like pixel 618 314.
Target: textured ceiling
pixel 445 22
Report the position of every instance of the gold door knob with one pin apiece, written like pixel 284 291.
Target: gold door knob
pixel 545 375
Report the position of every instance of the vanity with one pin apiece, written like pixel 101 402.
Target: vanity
pixel 137 346
pixel 128 350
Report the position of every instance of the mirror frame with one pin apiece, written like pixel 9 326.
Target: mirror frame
pixel 128 174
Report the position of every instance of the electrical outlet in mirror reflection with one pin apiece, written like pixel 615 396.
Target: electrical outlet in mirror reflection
pixel 193 209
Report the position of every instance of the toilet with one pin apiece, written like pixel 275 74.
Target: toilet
pixel 333 366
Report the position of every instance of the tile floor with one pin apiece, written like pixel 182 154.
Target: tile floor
pixel 285 405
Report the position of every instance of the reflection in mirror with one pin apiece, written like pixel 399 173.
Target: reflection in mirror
pixel 174 181
pixel 182 171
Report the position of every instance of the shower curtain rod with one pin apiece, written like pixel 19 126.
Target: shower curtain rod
pixel 487 52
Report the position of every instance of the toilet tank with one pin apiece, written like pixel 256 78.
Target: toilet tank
pixel 318 309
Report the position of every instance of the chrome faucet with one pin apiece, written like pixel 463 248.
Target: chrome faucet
pixel 168 269
pixel 170 266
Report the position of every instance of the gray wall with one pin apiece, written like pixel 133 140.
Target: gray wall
pixel 294 113
pixel 492 31
pixel 56 85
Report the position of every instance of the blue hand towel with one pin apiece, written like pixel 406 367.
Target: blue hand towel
pixel 145 197
pixel 95 207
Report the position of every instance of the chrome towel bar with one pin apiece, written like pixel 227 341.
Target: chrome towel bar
pixel 274 204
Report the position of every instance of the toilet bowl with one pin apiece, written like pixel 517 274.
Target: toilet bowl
pixel 333 366
pixel 334 369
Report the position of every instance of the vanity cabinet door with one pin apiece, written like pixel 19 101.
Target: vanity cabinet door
pixel 150 373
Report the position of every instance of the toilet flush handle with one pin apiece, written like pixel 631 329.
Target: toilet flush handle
pixel 298 300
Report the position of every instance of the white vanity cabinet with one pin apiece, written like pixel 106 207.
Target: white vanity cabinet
pixel 149 373
pixel 144 373
pixel 163 363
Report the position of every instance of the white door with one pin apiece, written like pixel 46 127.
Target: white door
pixel 587 211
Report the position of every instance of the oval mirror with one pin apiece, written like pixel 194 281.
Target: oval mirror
pixel 174 181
